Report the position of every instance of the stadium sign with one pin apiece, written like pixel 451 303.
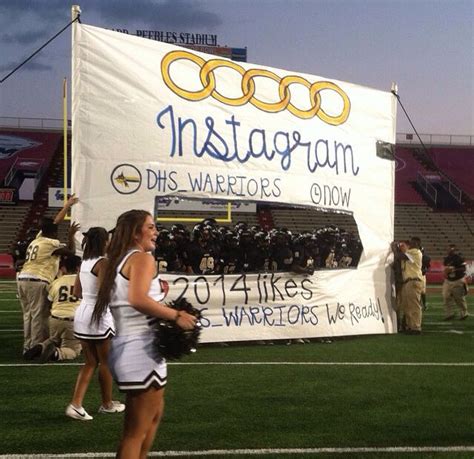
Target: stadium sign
pixel 152 120
pixel 177 38
pixel 8 196
pixel 204 43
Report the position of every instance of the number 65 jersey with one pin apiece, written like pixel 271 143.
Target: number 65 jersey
pixel 64 303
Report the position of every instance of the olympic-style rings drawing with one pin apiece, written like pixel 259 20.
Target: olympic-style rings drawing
pixel 208 80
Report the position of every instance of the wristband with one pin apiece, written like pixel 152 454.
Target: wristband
pixel 178 315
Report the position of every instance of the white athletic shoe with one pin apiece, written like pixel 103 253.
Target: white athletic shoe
pixel 116 407
pixel 78 413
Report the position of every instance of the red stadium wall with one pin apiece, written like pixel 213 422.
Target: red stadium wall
pixel 436 276
pixel 7 269
pixel 406 170
pixel 458 164
pixel 29 151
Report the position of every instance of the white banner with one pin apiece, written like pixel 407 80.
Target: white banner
pixel 152 119
pixel 280 306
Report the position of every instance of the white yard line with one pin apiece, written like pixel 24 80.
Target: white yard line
pixel 347 364
pixel 261 452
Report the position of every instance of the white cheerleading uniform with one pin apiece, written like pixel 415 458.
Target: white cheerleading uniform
pixel 83 327
pixel 134 359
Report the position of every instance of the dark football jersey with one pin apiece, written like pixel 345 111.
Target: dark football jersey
pixel 281 258
pixel 202 259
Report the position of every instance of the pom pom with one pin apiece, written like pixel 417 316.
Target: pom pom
pixel 174 342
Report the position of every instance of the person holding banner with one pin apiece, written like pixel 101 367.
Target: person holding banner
pixel 398 284
pixel 39 270
pixel 410 255
pixel 425 267
pixel 131 288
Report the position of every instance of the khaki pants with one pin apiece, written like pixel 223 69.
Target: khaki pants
pixel 411 304
pixel 35 307
pixel 61 333
pixel 398 307
pixel 454 292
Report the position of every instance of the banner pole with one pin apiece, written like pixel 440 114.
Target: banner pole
pixel 75 17
pixel 65 181
pixel 75 12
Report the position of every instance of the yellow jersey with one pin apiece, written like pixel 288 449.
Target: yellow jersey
pixel 60 293
pixel 411 268
pixel 39 262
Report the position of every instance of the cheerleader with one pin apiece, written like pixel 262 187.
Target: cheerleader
pixel 93 335
pixel 131 287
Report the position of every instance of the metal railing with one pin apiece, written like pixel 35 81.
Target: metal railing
pixel 435 139
pixel 427 187
pixel 32 123
pixel 444 180
pixel 453 190
pixel 29 164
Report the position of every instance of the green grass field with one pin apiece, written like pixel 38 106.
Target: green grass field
pixel 384 396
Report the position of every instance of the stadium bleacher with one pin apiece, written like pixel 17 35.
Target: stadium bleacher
pixel 300 220
pixel 413 216
pixel 435 229
pixel 11 218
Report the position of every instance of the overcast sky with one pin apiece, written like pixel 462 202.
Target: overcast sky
pixel 425 46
